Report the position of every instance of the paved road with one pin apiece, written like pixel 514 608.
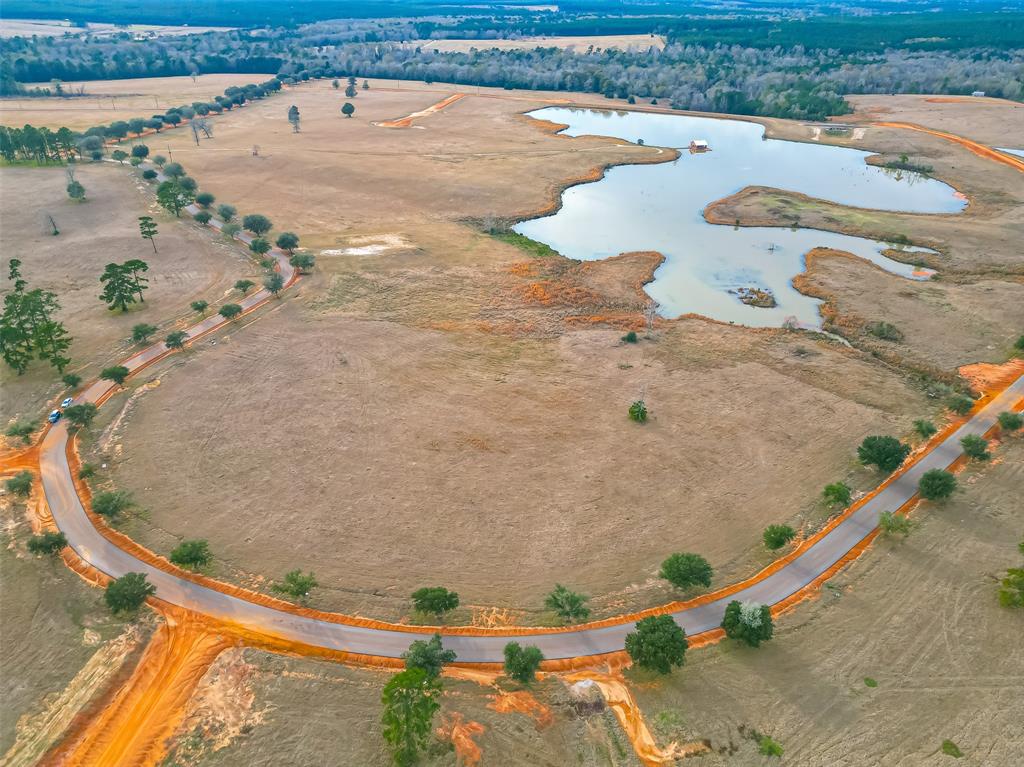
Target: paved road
pixel 102 554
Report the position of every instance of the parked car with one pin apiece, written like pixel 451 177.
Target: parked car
pixel 66 402
pixel 54 416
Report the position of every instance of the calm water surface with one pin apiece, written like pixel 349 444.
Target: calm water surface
pixel 659 207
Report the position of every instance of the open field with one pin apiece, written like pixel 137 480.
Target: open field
pixel 109 100
pixel 54 27
pixel 190 265
pixel 996 122
pixel 581 43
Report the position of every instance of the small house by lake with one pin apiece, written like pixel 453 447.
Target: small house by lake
pixel 699 145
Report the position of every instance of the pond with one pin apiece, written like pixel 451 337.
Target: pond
pixel 659 207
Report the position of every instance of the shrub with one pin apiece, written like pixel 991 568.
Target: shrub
pixel 887 453
pixel 226 212
pixel 837 494
pixel 230 229
pixel 975 447
pixel 658 644
pixel 259 246
pixel 47 543
pixel 202 217
pixel 176 340
pixel 886 331
pixel 1019 344
pixel 428 655
pixel 638 411
pixel 936 484
pixel 960 404
pixel 1010 421
pixel 192 554
pixel 777 536
pixel 630 337
pixel 569 605
pixel 149 174
pixel 200 307
pixel 80 415
pixel 204 199
pixel 749 622
pixel 295 584
pixel 869 682
pixel 434 599
pixel 1011 588
pixel 71 380
pixel 87 471
pixel 110 503
pixel 894 524
pixel 127 593
pixel 302 261
pixel 949 748
pixel 768 747
pixel 23 430
pixel 684 570
pixel 242 286
pixel 924 428
pixel 20 484
pixel 521 663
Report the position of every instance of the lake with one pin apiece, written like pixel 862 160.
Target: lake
pixel 659 207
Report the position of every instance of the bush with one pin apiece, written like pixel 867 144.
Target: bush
pixel 975 447
pixel 630 337
pixel 71 380
pixel 885 330
pixel 87 471
pixel 127 593
pixel 768 747
pixel 1011 588
pixel 960 404
pixel 22 430
pixel 638 411
pixel 894 524
pixel 230 229
pixel 777 536
pixel 204 199
pixel 748 622
pixel 176 340
pixel 521 663
pixel 936 484
pixel 658 644
pixel 837 494
pixel 434 599
pixel 1010 421
pixel 1019 344
pixel 949 748
pixel 925 429
pixel 47 543
pixel 230 311
pixel 259 246
pixel 20 484
pixel 199 307
pixel 226 212
pixel 149 174
pixel 568 605
pixel 684 570
pixel 242 286
pixel 428 655
pixel 202 217
pixel 887 453
pixel 80 415
pixel 110 503
pixel 192 554
pixel 295 584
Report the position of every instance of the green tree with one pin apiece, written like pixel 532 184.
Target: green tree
pixel 116 373
pixel 200 307
pixel 259 246
pixel 226 212
pixel 118 287
pixel 347 109
pixel 569 605
pixel 960 404
pixel 685 570
pixel 428 655
pixel 71 380
pixel 303 262
pixel 258 224
pixel 142 332
pixel 1011 588
pixel 76 191
pixel 47 543
pixel 658 644
pixel 192 554
pixel 205 199
pixel 140 150
pixel 777 536
pixel 975 447
pixel 837 494
pixel 174 170
pixel 894 524
pixel 230 311
pixel 287 241
pixel 925 429
pixel 749 622
pixel 202 217
pixel 242 286
pixel 80 415
pixel 110 503
pixel 1009 421
pixel 128 593
pixel 638 411
pixel 147 228
pixel 173 197
pixel 887 453
pixel 20 484
pixel 521 663
pixel 435 599
pixel 22 430
pixel 274 283
pixel 295 584
pixel 230 229
pixel 176 340
pixel 149 174
pixel 936 484
pixel 159 160
pixel 120 155
pixel 410 700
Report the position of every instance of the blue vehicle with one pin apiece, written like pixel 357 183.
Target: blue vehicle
pixel 54 416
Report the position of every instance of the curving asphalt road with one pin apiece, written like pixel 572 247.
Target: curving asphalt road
pixel 105 556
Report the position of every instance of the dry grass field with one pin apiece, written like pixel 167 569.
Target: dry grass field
pixel 109 100
pixel 54 28
pixel 104 228
pixel 580 43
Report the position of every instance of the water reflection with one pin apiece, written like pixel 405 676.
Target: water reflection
pixel 659 207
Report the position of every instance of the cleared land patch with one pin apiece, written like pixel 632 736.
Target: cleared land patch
pixel 580 43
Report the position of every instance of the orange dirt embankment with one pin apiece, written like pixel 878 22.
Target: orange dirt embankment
pixel 405 122
pixel 972 146
pixel 621 701
pixel 133 728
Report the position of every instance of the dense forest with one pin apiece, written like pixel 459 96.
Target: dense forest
pixel 743 64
